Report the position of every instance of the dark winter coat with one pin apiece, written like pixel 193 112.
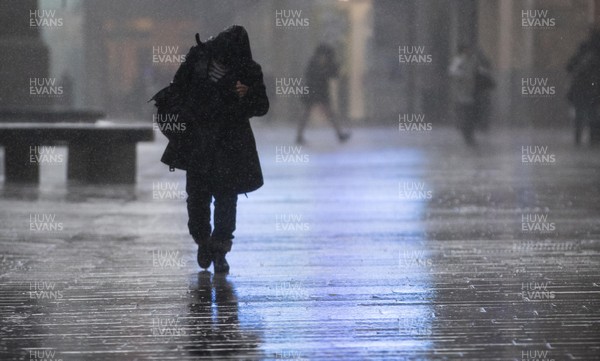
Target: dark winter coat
pixel 318 75
pixel 219 145
pixel 584 66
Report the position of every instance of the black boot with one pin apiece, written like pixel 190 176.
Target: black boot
pixel 219 249
pixel 221 265
pixel 204 256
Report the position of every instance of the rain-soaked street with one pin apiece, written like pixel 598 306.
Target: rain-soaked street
pixel 404 246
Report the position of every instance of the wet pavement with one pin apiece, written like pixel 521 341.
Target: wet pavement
pixel 395 245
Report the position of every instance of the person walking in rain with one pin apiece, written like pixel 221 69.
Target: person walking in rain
pixel 321 68
pixel 463 71
pixel 222 87
pixel 484 84
pixel 584 93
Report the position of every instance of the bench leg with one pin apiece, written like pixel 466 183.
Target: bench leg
pixel 18 167
pixel 102 163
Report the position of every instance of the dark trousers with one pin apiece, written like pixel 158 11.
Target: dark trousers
pixel 584 115
pixel 198 206
pixel 326 108
pixel 466 121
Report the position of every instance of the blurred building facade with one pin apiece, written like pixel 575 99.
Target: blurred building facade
pixel 127 46
pixel 496 27
pixel 23 55
pixel 112 47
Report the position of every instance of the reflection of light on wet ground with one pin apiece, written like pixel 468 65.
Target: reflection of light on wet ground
pixel 359 225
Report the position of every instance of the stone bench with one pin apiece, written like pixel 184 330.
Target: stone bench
pixel 101 152
pixel 49 115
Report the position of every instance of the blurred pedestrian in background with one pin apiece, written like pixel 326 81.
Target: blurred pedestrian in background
pixel 321 68
pixel 471 85
pixel 463 71
pixel 484 84
pixel 584 93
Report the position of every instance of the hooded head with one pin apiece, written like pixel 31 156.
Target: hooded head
pixel 232 46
